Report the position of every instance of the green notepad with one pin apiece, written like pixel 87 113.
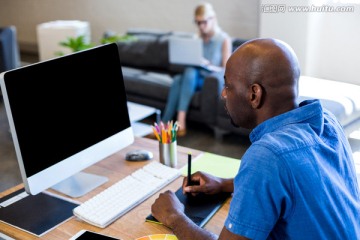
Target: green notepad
pixel 214 164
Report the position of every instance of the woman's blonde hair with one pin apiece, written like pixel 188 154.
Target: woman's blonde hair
pixel 206 10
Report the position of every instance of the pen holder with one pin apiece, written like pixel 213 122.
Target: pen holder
pixel 168 154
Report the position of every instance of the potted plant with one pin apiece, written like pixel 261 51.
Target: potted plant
pixel 75 44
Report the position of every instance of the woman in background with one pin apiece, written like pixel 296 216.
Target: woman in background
pixel 217 49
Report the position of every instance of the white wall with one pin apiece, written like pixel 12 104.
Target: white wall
pixel 327 43
pixel 238 18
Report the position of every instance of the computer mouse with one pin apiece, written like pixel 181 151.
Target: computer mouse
pixel 139 155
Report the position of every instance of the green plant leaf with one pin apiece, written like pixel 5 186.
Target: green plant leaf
pixel 76 44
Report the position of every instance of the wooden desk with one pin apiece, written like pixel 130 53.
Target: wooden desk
pixel 132 225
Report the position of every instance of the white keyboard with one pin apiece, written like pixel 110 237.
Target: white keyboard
pixel 115 201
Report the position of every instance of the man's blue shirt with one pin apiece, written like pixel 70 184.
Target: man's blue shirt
pixel 297 180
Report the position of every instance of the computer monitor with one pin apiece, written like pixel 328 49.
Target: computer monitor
pixel 66 114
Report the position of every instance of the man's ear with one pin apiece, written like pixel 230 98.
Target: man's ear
pixel 256 95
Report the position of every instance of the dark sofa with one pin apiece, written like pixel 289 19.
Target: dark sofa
pixel 148 76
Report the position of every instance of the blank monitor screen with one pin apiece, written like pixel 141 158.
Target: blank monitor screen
pixel 68 108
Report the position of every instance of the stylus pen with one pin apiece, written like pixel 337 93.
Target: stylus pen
pixel 189 170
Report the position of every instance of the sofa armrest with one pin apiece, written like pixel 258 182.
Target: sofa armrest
pixel 210 95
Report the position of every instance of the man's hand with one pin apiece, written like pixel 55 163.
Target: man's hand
pixel 170 211
pixel 208 184
pixel 167 208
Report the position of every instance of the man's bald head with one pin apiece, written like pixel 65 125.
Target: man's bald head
pixel 268 61
pixel 265 72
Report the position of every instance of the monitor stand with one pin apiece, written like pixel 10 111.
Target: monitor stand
pixel 79 184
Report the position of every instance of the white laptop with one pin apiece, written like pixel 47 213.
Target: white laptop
pixel 186 51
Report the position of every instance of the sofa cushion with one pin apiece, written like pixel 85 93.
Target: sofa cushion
pixel 151 85
pixel 342 99
pixel 147 84
pixel 145 52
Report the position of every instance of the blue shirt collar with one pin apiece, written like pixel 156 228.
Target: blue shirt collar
pixel 309 112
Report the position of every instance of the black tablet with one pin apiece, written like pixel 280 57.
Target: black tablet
pixel 198 208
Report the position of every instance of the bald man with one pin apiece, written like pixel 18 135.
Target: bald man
pixel 297 179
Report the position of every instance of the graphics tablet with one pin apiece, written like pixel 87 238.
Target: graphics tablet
pixel 199 208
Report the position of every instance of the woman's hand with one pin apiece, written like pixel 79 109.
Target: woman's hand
pixel 205 62
pixel 214 68
pixel 210 66
pixel 208 184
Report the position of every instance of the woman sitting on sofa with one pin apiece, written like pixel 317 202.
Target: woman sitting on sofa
pixel 217 50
